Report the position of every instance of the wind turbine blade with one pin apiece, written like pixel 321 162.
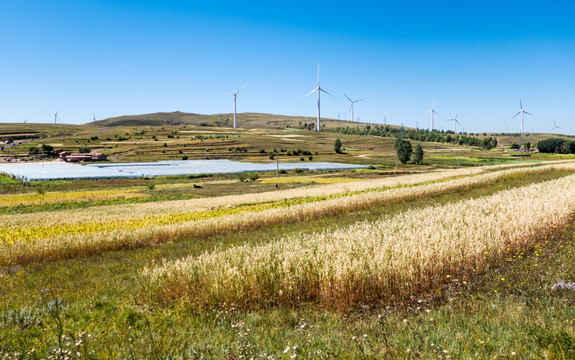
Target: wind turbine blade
pixel 320 89
pixel 308 94
pixel 432 106
pixel 348 98
pixel 528 113
pixel 359 100
pixel 519 112
pixel 520 104
pixel 246 84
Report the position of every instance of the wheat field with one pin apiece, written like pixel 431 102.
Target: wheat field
pixel 387 260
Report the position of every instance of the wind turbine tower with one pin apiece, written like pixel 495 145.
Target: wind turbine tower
pixel 351 106
pixel 433 112
pixel 455 122
pixel 521 111
pixel 56 116
pixel 235 95
pixel 319 90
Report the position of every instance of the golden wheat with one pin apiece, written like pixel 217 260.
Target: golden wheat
pixel 390 259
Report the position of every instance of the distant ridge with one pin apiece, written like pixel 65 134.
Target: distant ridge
pixel 244 120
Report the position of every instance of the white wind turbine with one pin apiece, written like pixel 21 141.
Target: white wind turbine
pixel 521 111
pixel 351 106
pixel 556 127
pixel 56 116
pixel 235 95
pixel 455 122
pixel 318 89
pixel 433 112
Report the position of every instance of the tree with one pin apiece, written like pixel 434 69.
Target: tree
pixel 403 149
pixel 337 146
pixel 47 148
pixel 418 155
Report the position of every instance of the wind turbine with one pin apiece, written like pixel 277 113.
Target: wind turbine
pixel 318 89
pixel 94 116
pixel 455 122
pixel 521 111
pixel 506 126
pixel 235 96
pixel 433 112
pixel 556 127
pixel 56 116
pixel 351 106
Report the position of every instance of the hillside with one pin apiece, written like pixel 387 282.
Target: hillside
pixel 244 120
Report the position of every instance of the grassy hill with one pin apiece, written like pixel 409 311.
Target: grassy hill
pixel 244 120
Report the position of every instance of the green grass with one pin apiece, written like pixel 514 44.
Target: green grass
pixel 104 297
pixel 6 180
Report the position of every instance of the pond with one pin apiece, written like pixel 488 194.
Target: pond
pixel 60 170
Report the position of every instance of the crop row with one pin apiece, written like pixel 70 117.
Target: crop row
pixel 386 260
pixel 146 210
pixel 19 233
pixel 60 196
pixel 32 243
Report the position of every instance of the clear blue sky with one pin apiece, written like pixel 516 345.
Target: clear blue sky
pixel 133 57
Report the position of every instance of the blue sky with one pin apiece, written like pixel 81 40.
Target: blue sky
pixel 132 57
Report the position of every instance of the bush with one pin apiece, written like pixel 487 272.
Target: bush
pixel 282 171
pixel 242 177
pixel 47 148
pixel 33 150
pixel 253 176
pixel 371 167
pixel 337 146
pixel 185 157
pixel 84 150
pixel 298 170
pixel 151 186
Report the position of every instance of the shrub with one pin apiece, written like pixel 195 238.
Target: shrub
pixel 242 177
pixel 337 146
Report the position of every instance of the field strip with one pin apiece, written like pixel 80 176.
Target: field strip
pixel 64 196
pixel 145 210
pixel 35 243
pixel 386 260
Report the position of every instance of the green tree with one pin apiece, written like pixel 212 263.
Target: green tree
pixel 337 146
pixel 403 149
pixel 418 155
pixel 47 148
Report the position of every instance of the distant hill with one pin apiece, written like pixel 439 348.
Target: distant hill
pixel 244 120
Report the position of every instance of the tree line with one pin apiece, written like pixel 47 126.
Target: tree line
pixel 556 146
pixel 448 136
